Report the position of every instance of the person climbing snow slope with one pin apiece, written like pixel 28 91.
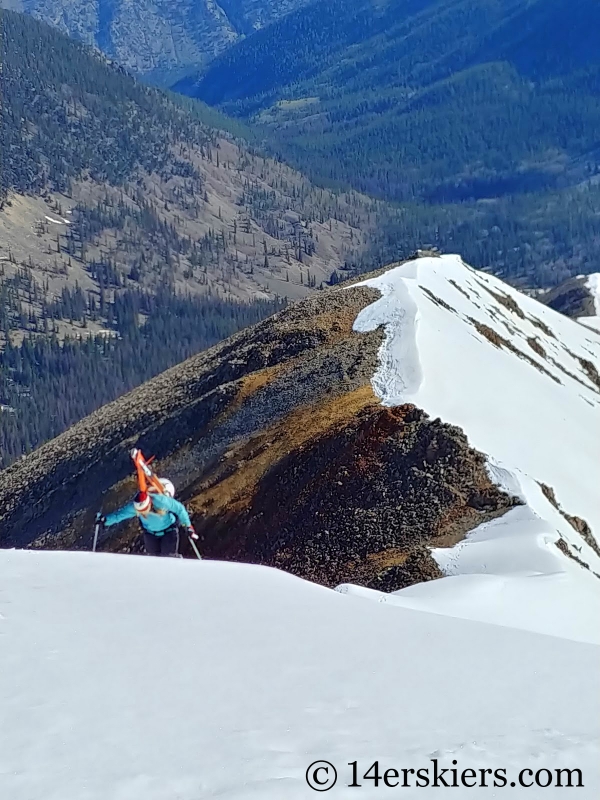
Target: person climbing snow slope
pixel 160 517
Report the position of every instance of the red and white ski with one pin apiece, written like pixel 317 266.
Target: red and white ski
pixel 146 476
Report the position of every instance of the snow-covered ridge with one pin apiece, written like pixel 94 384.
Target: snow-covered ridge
pixel 523 382
pixel 466 347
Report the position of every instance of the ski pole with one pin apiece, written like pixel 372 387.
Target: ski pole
pixel 97 531
pixel 195 548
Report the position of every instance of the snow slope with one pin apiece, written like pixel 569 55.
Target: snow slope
pixel 508 572
pixel 127 678
pixel 516 377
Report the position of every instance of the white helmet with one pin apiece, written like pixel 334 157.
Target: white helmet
pixel 168 487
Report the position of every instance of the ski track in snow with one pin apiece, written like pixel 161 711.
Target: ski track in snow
pixel 128 678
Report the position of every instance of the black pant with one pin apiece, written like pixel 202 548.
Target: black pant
pixel 165 545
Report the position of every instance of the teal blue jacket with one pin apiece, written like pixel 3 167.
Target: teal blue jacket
pixel 165 512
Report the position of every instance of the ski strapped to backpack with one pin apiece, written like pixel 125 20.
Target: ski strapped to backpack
pixel 146 477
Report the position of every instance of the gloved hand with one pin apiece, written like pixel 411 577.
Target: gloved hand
pixel 100 518
pixel 191 532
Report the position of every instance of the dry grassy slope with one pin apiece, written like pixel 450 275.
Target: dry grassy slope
pixel 283 454
pixel 256 206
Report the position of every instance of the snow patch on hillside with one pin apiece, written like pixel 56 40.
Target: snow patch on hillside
pixel 510 572
pixel 128 678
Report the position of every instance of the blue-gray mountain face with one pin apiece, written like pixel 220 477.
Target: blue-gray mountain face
pixel 158 38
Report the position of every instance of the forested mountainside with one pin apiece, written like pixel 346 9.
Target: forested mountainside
pixel 150 187
pixel 479 118
pixel 139 225
pixel 157 38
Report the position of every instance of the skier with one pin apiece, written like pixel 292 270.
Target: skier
pixel 160 516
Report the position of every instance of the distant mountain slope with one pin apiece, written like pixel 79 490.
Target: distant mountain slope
pixel 401 44
pixel 278 442
pixel 112 195
pixel 157 37
pixel 155 189
pixel 443 104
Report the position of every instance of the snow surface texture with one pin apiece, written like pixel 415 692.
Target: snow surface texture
pixel 510 372
pixel 128 678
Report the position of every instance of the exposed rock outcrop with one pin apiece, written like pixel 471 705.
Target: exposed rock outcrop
pixel 353 500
